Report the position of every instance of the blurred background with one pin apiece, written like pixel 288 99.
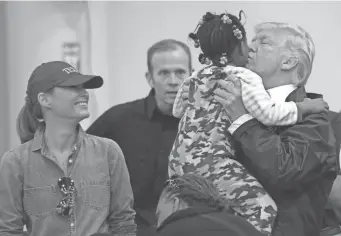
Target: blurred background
pixel 111 39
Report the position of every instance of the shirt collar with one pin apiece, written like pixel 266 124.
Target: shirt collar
pixel 38 142
pixel 290 92
pixel 280 93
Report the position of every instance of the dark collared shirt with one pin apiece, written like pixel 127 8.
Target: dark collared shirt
pixel 146 137
pixel 29 192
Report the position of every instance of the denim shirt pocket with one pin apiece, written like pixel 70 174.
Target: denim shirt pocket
pixel 96 194
pixel 40 202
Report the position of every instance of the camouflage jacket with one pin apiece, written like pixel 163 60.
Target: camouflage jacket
pixel 203 146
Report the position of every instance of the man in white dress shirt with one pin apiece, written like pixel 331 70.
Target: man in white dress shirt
pixel 296 164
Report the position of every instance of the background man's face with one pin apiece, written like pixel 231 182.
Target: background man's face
pixel 169 69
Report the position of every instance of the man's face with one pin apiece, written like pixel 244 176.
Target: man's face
pixel 265 55
pixel 169 69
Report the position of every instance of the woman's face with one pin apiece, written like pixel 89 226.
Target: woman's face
pixel 69 102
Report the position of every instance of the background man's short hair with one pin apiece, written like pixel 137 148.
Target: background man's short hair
pixel 167 45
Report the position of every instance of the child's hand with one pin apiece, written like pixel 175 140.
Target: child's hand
pixel 311 106
pixel 185 90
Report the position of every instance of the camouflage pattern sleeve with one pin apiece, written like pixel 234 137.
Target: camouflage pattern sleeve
pixel 203 146
pixel 179 106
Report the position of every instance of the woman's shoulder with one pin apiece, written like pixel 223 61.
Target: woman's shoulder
pixel 15 155
pixel 100 141
pixel 10 155
pixel 105 148
pixel 109 146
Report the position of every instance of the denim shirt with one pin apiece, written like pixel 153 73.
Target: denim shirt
pixel 29 192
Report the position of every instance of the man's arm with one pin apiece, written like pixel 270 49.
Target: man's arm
pixel 298 155
pixel 261 106
pixel 121 217
pixel 11 196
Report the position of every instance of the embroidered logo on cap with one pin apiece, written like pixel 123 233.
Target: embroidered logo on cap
pixel 69 70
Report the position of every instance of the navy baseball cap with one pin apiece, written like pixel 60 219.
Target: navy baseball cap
pixel 58 74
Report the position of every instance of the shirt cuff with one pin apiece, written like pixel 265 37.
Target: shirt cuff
pixel 237 123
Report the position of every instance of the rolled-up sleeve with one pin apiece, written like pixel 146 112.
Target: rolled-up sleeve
pixel 121 217
pixel 12 218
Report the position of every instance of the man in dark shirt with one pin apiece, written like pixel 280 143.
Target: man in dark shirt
pixel 145 129
pixel 296 164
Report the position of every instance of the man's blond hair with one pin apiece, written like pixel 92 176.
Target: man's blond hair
pixel 298 41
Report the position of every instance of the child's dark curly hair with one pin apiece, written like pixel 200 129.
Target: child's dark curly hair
pixel 195 190
pixel 216 36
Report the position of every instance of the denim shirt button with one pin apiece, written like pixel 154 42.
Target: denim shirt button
pixel 72 224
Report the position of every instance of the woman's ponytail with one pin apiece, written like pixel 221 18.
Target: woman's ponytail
pixel 27 122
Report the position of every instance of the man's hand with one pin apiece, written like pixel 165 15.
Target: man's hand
pixel 229 94
pixel 311 106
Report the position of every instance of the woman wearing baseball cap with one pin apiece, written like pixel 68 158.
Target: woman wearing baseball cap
pixel 60 180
